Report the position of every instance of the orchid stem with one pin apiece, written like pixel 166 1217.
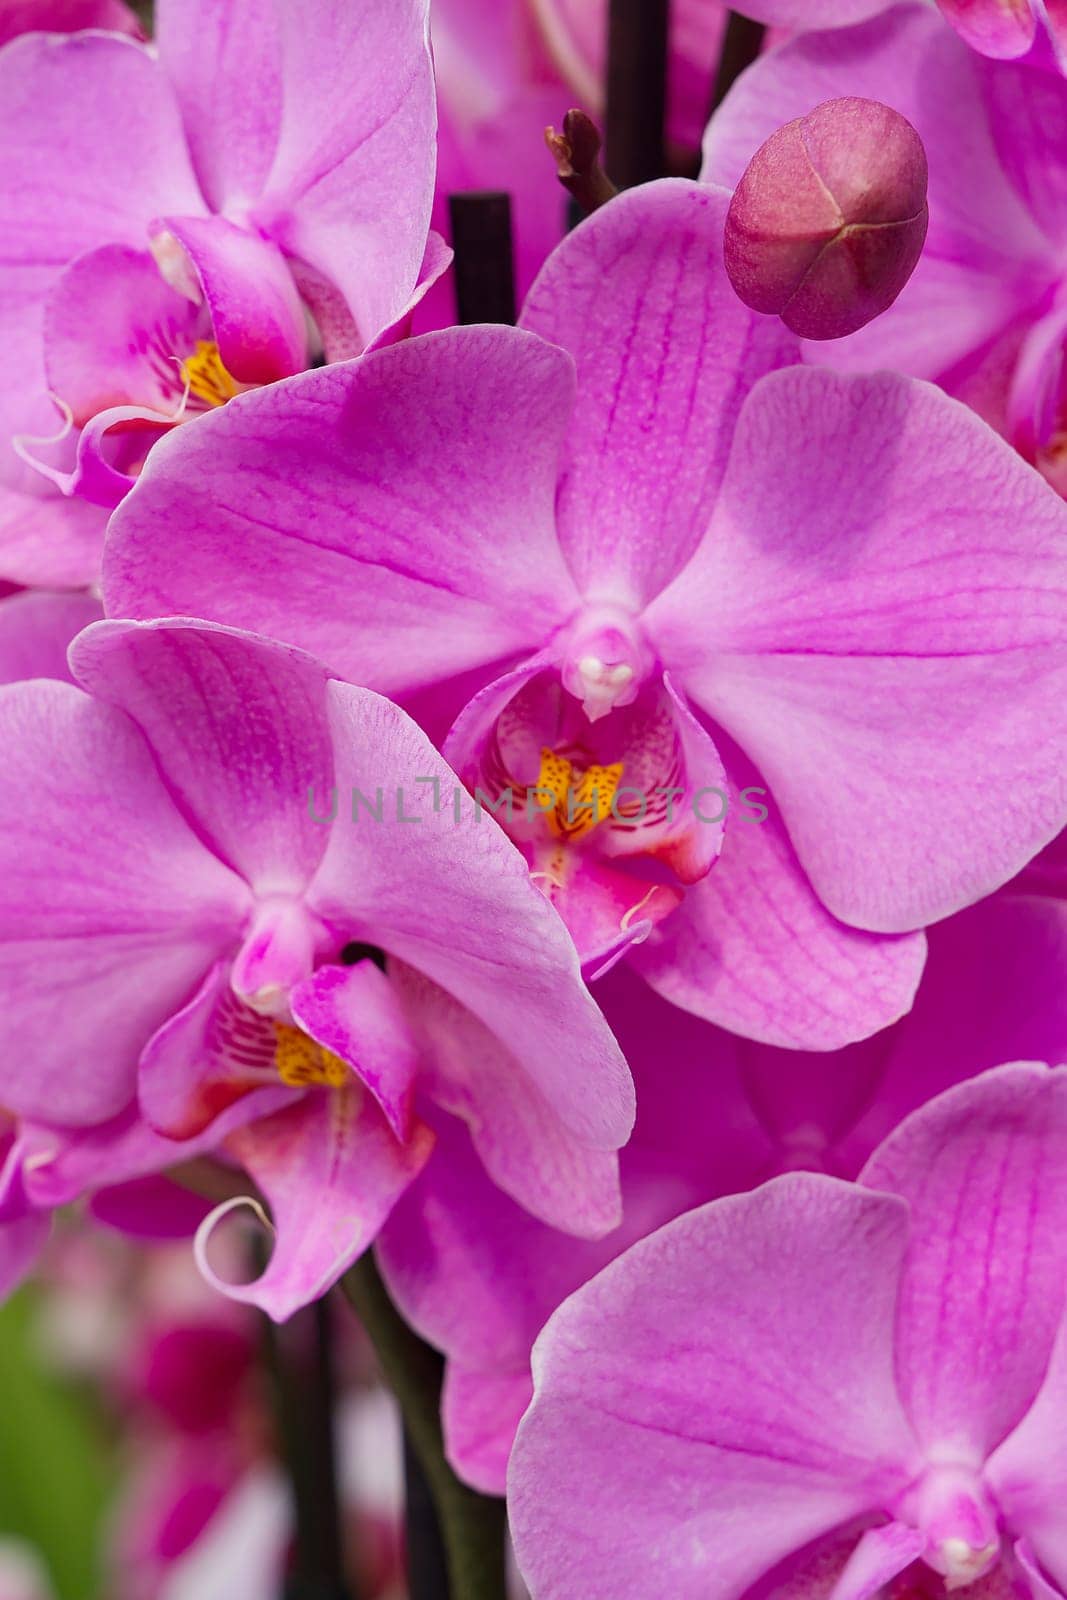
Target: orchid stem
pixel 473 1525
pixel 299 1359
pixel 637 91
pixel 742 43
pixel 484 266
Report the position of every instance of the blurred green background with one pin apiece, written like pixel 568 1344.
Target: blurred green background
pixel 58 1466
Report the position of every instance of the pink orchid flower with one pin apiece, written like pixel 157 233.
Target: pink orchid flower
pixel 185 908
pixel 184 222
pixel 479 1277
pixel 685 589
pixel 985 313
pixel 821 1384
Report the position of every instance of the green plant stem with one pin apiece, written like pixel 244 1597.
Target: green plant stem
pixel 473 1525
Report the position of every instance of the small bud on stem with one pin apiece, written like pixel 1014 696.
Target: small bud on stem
pixel 577 155
pixel 829 220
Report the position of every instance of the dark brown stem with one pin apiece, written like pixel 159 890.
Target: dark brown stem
pixel 637 91
pixel 299 1359
pixel 484 266
pixel 741 44
pixel 576 150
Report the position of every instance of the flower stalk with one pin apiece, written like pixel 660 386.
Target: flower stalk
pixel 473 1525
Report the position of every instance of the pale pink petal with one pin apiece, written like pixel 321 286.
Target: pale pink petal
pixel 113 908
pixel 984 1170
pixel 423 541
pixel 1028 1473
pixel 700 1411
pixel 480 1412
pixel 237 724
pixel 527 1147
pixel 351 193
pixel 453 900
pixel 664 360
pixel 223 59
pixel 753 949
pixel 880 680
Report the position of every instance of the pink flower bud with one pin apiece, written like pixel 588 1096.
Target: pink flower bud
pixel 829 219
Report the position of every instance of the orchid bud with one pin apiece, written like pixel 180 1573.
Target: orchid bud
pixel 830 217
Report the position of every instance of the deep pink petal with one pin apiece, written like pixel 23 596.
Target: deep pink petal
pixel 112 909
pixel 35 629
pixel 258 321
pixel 331 1171
pixel 1001 28
pixel 356 1013
pixel 666 354
pixel 65 16
pixel 880 681
pixel 238 726
pixel 984 1170
pixel 700 1411
pixel 992 991
pixel 409 498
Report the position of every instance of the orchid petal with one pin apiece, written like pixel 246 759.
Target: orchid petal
pixel 424 542
pixel 664 363
pixel 136 910
pixel 743 1415
pixel 984 1170
pixel 237 725
pixel 453 900
pixel 878 679
pixel 331 1171
pixel 256 315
